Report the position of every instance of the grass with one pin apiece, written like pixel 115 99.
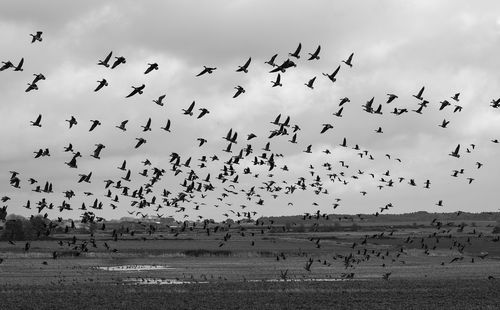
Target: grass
pixel 33 279
pixel 453 294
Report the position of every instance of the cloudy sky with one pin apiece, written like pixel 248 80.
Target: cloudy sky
pixel 399 46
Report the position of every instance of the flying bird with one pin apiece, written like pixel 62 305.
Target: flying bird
pixel 153 66
pixel 391 98
pixel 118 61
pixel 277 82
pixel 332 76
pixel 244 68
pixel 239 91
pixel 189 110
pixel 419 95
pixel 36 37
pixel 315 55
pixel 271 61
pixel 203 112
pixel 206 69
pixel 167 126
pixel 19 66
pixel 37 122
pixel 159 101
pixel 297 51
pixel 95 123
pixel 102 83
pixel 72 121
pixel 136 90
pixel 38 77
pixel 140 141
pixel 349 60
pixel 455 152
pixel 31 87
pixel 122 125
pixel 105 62
pixel 310 83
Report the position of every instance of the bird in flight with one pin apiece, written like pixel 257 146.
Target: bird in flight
pixel 455 152
pixel 36 37
pixel 105 62
pixel 19 66
pixel 332 76
pixel 37 122
pixel 203 112
pixel 271 61
pixel 419 95
pixel 72 121
pixel 101 84
pixel 277 82
pixel 31 87
pixel 38 77
pixel 122 125
pixel 206 69
pixel 310 83
pixel 136 90
pixel 315 55
pixel 159 101
pixel 349 60
pixel 297 52
pixel 239 91
pixel 118 61
pixel 244 68
pixel 167 126
pixel 189 110
pixel 153 66
pixel 95 123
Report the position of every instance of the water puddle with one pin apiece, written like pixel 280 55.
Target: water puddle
pixel 146 281
pixel 130 268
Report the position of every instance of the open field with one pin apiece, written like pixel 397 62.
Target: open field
pixel 192 270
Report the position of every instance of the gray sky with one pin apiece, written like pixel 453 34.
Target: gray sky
pixel 447 46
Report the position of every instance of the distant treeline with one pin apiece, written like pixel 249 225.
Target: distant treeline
pixel 420 216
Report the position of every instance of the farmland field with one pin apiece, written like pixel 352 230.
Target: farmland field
pixel 194 271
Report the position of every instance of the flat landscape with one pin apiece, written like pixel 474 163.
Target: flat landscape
pixel 404 267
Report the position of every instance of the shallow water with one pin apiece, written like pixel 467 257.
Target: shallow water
pixel 145 281
pixel 127 268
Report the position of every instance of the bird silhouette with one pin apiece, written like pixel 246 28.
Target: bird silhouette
pixel 122 125
pixel 239 90
pixel 151 67
pixel 297 51
pixel 272 60
pixel 277 82
pixel 105 62
pixel 310 83
pixel 101 84
pixel 119 60
pixel 189 110
pixel 455 152
pixel 419 95
pixel 206 69
pixel 36 37
pixel 137 90
pixel 37 122
pixel 19 66
pixel 244 68
pixel 95 123
pixel 72 121
pixel 349 60
pixel 331 77
pixel 315 55
pixel 159 101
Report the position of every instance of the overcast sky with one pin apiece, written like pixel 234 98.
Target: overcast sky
pixel 399 46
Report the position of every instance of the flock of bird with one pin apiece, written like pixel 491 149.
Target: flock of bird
pixel 241 175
